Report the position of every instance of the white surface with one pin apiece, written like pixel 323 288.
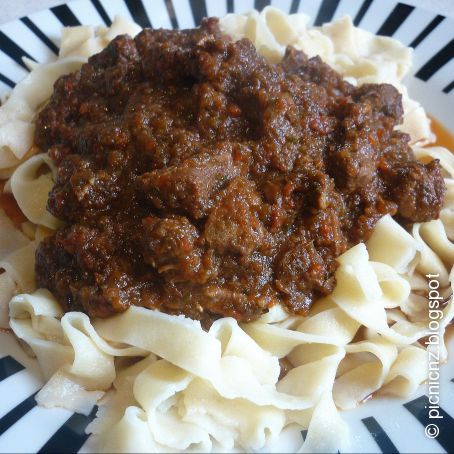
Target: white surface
pixel 13 9
pixel 38 424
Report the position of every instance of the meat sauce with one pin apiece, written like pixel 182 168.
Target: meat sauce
pixel 197 178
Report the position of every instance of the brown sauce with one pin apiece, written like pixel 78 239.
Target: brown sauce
pixel 197 178
pixel 444 138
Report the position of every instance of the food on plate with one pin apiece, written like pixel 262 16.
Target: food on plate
pixel 197 178
pixel 231 235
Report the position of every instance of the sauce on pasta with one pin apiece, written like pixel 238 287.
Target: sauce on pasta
pixel 196 178
pixel 9 205
pixel 444 138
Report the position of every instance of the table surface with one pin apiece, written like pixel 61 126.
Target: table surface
pixel 13 9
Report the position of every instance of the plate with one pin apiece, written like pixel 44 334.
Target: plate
pixel 378 425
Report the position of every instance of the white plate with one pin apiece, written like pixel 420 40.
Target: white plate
pixel 379 425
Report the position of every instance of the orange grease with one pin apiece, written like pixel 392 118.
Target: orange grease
pixel 445 138
pixel 9 205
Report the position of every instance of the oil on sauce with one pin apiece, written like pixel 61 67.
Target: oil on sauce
pixel 9 205
pixel 449 333
pixel 445 138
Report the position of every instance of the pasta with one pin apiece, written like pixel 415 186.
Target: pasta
pixel 31 190
pixel 163 383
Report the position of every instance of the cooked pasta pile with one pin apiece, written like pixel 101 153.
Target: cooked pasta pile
pixel 162 383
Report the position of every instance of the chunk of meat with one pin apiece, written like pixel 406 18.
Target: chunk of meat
pixel 234 304
pixel 75 248
pixel 170 246
pixel 325 228
pixel 418 190
pixel 302 274
pixel 384 98
pixel 364 135
pixel 353 164
pixel 314 70
pixel 190 186
pixel 233 226
pixel 81 189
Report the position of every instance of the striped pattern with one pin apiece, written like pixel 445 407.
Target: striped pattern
pixel 379 435
pixel 294 6
pixel 443 56
pixel 138 12
pixel 426 31
pixel 199 10
pixel 171 13
pixel 395 19
pixel 7 81
pixel 8 367
pixel 102 12
pixel 362 12
pixel 65 16
pixel 27 22
pixel 419 408
pixel 16 413
pixel 383 17
pixel 10 48
pixel 326 11
pixel 71 435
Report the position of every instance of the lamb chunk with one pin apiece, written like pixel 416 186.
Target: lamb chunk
pixel 71 270
pixel 352 163
pixel 51 263
pixel 189 187
pixel 230 303
pixel 168 56
pixel 119 51
pixel 384 98
pixel 233 225
pixel 396 148
pixel 325 227
pixel 56 123
pixel 365 131
pixel 293 60
pixel 302 274
pixel 170 247
pixel 418 189
pixel 81 188
pixel 315 70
